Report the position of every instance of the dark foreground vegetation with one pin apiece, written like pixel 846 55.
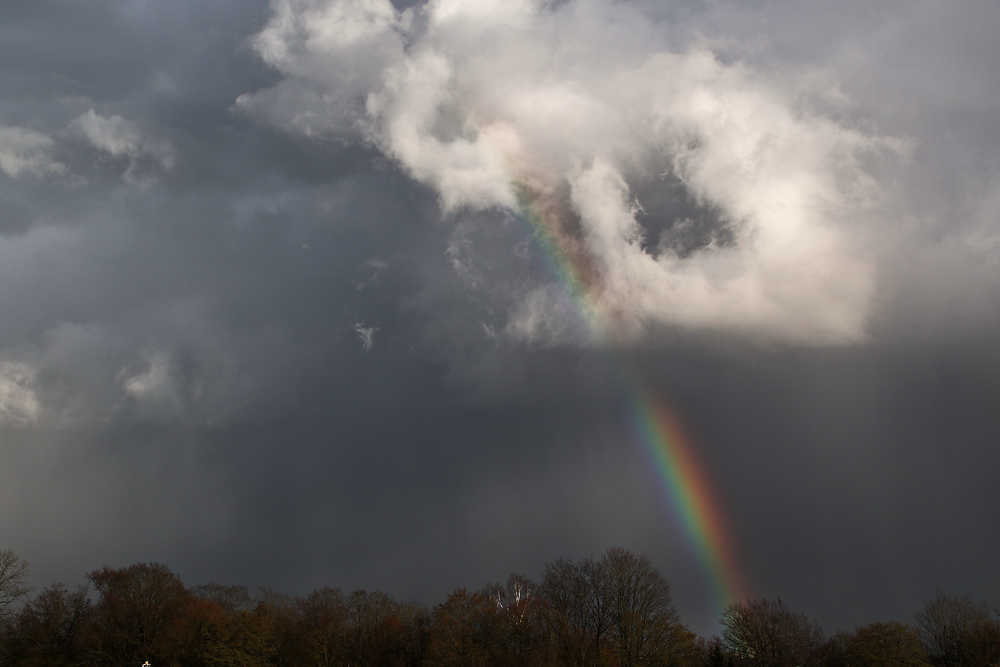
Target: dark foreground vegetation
pixel 614 611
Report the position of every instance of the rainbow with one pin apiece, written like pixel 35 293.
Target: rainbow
pixel 683 486
pixel 565 255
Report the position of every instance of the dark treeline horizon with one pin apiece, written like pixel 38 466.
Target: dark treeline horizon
pixel 613 611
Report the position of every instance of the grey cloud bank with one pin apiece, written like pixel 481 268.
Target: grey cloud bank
pixel 269 318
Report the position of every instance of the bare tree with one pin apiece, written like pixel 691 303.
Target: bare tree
pixel 517 608
pixel 764 633
pixel 230 599
pixel 13 580
pixel 957 631
pixel 140 613
pixel 638 598
pixel 577 610
pixel 50 629
pixel 891 644
pixel 321 626
pixel 618 606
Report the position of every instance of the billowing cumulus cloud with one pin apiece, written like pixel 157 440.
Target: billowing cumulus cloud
pixel 557 109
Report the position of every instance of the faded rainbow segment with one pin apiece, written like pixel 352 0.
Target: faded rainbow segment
pixel 683 486
pixel 565 255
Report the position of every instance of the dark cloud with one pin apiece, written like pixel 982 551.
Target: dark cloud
pixel 248 342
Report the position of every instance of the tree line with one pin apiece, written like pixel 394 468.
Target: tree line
pixel 612 611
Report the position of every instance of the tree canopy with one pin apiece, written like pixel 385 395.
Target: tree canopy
pixel 611 611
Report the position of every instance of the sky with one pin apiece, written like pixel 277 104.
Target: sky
pixel 350 293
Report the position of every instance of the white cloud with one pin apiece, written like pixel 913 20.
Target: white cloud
pixel 19 404
pixel 120 138
pixel 154 389
pixel 167 363
pixel 510 105
pixel 303 39
pixel 366 335
pixel 25 151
